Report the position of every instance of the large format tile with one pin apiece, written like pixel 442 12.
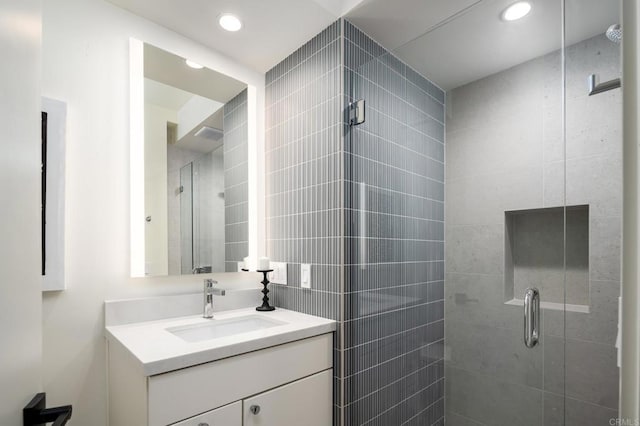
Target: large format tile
pixel 489 401
pixel 497 97
pixel 553 190
pixel 605 238
pixel 483 199
pixel 597 55
pixel 505 145
pixel 475 249
pixel 599 325
pixel 594 125
pixel 479 299
pixel 497 352
pixel 596 181
pixel 454 419
pixel 562 411
pixel 584 370
pixel 553 138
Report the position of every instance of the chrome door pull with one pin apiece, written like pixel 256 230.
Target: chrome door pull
pixel 531 317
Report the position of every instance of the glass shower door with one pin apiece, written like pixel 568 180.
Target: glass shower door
pixel 456 222
pixel 505 213
pixel 593 170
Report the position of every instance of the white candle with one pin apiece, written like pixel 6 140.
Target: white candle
pixel 263 264
pixel 246 262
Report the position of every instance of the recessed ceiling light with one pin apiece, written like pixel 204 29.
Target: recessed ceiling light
pixel 193 64
pixel 516 11
pixel 230 22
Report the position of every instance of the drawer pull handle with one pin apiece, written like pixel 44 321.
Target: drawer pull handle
pixel 203 424
pixel 255 409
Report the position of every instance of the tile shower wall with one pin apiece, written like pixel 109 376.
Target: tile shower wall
pixel 303 157
pixel 506 151
pixel 303 169
pixel 394 242
pixel 365 207
pixel 236 178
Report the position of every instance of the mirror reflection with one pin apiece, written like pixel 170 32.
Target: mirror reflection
pixel 195 163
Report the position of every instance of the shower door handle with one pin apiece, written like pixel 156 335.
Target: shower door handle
pixel 531 317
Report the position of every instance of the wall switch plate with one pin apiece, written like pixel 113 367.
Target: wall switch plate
pixel 305 275
pixel 279 274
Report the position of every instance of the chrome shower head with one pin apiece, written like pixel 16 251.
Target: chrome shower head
pixel 614 33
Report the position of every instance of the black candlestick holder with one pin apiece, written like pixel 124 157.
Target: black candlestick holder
pixel 265 307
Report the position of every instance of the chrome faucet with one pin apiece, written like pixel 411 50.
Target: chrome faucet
pixel 209 292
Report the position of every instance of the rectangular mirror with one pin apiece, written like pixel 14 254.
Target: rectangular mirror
pixel 190 166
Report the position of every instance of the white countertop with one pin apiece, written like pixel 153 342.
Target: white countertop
pixel 158 351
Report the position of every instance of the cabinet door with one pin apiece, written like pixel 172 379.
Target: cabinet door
pixel 305 402
pixel 229 415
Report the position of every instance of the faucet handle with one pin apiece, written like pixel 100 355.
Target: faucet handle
pixel 208 283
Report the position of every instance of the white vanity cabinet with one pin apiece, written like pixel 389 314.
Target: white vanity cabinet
pixel 229 415
pixel 304 402
pixel 286 384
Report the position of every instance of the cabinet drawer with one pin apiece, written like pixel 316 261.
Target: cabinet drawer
pixel 229 415
pixel 304 402
pixel 180 394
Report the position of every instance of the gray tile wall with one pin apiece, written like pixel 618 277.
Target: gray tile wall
pixel 303 171
pixel 377 267
pixel 303 157
pixel 506 151
pixel 394 241
pixel 236 178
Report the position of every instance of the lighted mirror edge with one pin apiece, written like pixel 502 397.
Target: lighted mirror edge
pixel 136 156
pixel 255 143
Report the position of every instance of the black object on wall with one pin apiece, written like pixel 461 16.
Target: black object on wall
pixel 44 188
pixel 35 413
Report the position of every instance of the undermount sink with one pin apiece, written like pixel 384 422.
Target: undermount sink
pixel 215 329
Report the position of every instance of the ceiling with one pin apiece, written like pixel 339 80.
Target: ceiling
pixel 271 29
pixel 452 42
pixel 472 41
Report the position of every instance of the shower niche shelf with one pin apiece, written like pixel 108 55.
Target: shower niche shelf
pixel 534 256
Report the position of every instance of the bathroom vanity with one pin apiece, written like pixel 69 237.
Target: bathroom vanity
pixel 240 368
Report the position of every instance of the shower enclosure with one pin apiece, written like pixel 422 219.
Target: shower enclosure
pixel 465 235
pixel 202 214
pixel 483 198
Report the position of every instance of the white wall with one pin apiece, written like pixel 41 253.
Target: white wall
pixel 85 55
pixel 20 281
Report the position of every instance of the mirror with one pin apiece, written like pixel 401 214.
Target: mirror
pixel 195 162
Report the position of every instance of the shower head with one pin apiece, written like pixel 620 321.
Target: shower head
pixel 614 33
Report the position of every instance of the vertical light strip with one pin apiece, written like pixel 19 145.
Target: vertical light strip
pixel 254 201
pixel 136 157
